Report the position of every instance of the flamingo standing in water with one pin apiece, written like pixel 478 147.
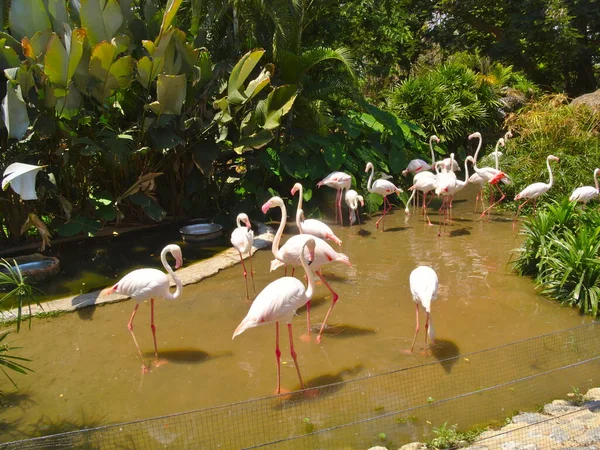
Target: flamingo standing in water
pixel 313 226
pixel 289 254
pixel 352 199
pixel 416 166
pixel 584 194
pixel 242 238
pixel 383 188
pixel 338 181
pixel 278 301
pixel 534 190
pixel 144 284
pixel 424 290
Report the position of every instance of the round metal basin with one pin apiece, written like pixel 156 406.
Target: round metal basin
pixel 35 267
pixel 199 232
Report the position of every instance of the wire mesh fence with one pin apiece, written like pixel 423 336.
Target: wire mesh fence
pixel 472 391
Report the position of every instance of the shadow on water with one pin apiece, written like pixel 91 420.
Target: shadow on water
pixel 395 229
pixel 187 355
pixel 445 351
pixel 364 233
pixel 344 331
pixel 315 303
pixel 317 388
pixel 459 232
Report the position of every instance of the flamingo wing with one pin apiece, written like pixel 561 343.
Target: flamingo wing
pixel 533 191
pixel 143 284
pixel 583 194
pixel 424 286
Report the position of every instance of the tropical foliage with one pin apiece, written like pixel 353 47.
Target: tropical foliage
pixel 561 252
pixel 17 291
pixel 10 361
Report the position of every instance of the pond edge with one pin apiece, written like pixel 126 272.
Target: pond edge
pixel 191 274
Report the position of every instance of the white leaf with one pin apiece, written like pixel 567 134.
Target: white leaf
pixel 21 178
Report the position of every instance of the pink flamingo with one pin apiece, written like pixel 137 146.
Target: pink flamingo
pixel 424 290
pixel 383 188
pixel 144 284
pixel 289 254
pixel 313 226
pixel 352 199
pixel 278 301
pixel 338 181
pixel 418 165
pixel 489 174
pixel 242 238
pixel 534 190
pixel 585 193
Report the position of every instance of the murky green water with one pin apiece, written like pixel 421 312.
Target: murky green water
pixel 87 372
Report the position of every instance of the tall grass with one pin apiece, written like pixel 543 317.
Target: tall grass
pixel 561 252
pixel 552 126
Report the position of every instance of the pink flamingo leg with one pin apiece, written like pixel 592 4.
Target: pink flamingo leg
pixel 334 299
pixel 339 205
pixel 252 272
pixel 130 328
pixel 502 197
pixel 308 317
pixel 518 210
pixel 416 329
pixel 293 353
pixel 245 276
pixel 278 357
pixel 153 327
pixel 427 332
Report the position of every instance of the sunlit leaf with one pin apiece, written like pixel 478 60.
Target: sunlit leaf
pixel 58 13
pixel 279 102
pixel 101 18
pixel 257 85
pixel 35 46
pixel 21 178
pixel 240 73
pixel 14 112
pixel 26 17
pixel 8 57
pixel 109 74
pixel 170 94
pixel 169 15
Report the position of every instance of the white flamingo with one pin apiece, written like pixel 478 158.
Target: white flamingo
pixel 278 302
pixel 534 190
pixel 383 188
pixel 352 199
pixel 149 284
pixel 416 166
pixel 584 194
pixel 338 181
pixel 242 239
pixel 424 290
pixel 313 226
pixel 289 254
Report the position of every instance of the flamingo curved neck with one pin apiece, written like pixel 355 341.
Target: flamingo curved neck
pixel 370 179
pixel 277 239
pixel 596 180
pixel 178 284
pixel 496 153
pixel 432 153
pixel 299 213
pixel 551 182
pixel 466 172
pixel 239 222
pixel 478 148
pixel 301 194
pixel 310 276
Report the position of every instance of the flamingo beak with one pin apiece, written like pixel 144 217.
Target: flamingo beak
pixel 311 257
pixel 248 225
pixel 266 207
pixel 178 263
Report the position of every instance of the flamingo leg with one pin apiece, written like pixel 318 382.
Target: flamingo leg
pixel 518 210
pixel 416 328
pixel 502 197
pixel 339 205
pixel 245 275
pixel 130 328
pixel 278 357
pixel 293 353
pixel 308 317
pixel 427 331
pixel 334 299
pixel 252 271
pixel 153 327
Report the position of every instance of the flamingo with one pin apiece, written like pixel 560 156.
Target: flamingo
pixel 383 188
pixel 278 301
pixel 424 289
pixel 489 174
pixel 289 254
pixel 425 185
pixel 533 191
pixel 418 165
pixel 313 226
pixel 352 199
pixel 242 238
pixel 144 284
pixel 338 181
pixel 585 193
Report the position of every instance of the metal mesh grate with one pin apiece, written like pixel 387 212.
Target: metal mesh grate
pixel 389 409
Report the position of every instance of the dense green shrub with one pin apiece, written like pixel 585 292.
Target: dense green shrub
pixel 552 126
pixel 561 252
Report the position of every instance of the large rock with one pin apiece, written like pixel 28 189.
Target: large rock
pixel 592 100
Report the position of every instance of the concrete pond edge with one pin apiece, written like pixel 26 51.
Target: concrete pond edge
pixel 194 273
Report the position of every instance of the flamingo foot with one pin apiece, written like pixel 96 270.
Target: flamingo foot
pixel 306 337
pixel 319 338
pixel 160 362
pixel 145 368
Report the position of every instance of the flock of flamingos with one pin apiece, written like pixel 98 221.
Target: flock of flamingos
pixel 280 299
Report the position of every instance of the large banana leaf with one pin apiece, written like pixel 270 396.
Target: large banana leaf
pixel 170 94
pixel 278 103
pixel 60 62
pixel 239 74
pixel 109 73
pixel 101 18
pixel 169 15
pixel 8 57
pixel 26 17
pixel 34 48
pixel 14 112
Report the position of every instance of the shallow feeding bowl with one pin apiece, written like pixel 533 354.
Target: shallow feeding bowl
pixel 35 267
pixel 200 232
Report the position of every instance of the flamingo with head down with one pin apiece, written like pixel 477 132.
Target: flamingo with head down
pixel 242 239
pixel 352 199
pixel 313 226
pixel 289 254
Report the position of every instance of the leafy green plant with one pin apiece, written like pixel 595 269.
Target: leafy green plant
pixel 449 437
pixel 20 293
pixel 10 361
